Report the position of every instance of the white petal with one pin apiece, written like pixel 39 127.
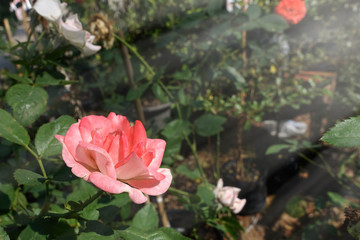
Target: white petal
pixel 49 9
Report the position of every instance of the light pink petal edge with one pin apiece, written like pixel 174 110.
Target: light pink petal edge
pixel 163 185
pixel 113 186
pixel 158 146
pixel 76 168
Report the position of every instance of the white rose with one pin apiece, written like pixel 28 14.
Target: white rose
pixel 228 197
pixel 72 31
pixel 52 10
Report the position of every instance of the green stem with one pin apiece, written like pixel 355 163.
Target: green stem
pixel 172 97
pixel 132 49
pixel 38 158
pixel 217 158
pixel 310 161
pixel 178 110
pixel 165 89
pixel 175 191
pixel 193 150
pixel 84 205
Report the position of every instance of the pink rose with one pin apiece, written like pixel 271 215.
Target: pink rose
pixel 115 156
pixel 228 197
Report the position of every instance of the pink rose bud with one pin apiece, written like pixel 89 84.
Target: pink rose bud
pixel 228 197
pixel 115 156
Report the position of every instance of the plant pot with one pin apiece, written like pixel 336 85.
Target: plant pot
pixel 253 187
pixel 156 115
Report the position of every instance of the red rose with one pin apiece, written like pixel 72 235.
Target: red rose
pixel 293 11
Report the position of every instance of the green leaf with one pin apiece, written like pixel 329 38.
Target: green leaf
pixel 3 234
pixel 163 233
pixel 193 174
pixel 146 218
pixel 205 193
pixel 354 230
pixel 296 206
pixel 7 196
pixel 48 228
pixel 11 130
pixel 344 134
pixel 159 93
pixel 208 124
pixel 232 226
pixel 27 102
pixel 26 177
pixel 213 6
pixel 19 78
pixel 47 80
pixel 276 148
pixel 93 236
pixel 90 212
pixel 45 142
pixel 135 93
pixel 337 199
pixel 29 234
pixel 238 79
pixel 82 191
pixel 273 23
pixel 177 129
pixel 253 11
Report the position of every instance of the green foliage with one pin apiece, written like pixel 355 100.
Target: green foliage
pixel 45 142
pixel 208 125
pixel 276 148
pixel 177 129
pixel 193 174
pixel 146 219
pixel 344 134
pixel 11 130
pixel 28 102
pixel 27 177
pixel 253 12
pixel 7 196
pixel 135 93
pixel 3 234
pixel 159 93
pixel 354 230
pixel 296 207
pixel 239 80
pixel 273 23
pixel 161 233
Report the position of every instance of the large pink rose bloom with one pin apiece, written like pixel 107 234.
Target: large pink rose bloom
pixel 115 156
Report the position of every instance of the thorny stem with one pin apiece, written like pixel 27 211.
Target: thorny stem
pixel 38 159
pixel 175 191
pixel 132 49
pixel 217 159
pixel 130 75
pixel 193 150
pixel 172 97
pixel 72 212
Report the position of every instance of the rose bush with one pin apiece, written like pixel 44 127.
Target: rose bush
pixel 293 11
pixel 115 156
pixel 228 197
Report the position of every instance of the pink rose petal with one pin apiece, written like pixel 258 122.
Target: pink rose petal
pixel 112 186
pixel 158 146
pixel 95 157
